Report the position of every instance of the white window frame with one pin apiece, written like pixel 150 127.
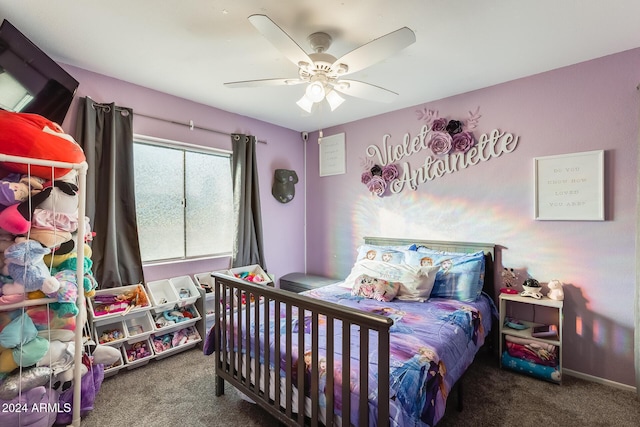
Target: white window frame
pixel 179 145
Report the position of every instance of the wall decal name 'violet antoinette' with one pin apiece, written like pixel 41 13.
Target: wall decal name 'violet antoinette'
pixel 451 144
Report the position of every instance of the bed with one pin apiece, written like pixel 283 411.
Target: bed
pixel 407 352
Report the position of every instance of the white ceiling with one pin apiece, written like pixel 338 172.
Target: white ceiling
pixel 189 48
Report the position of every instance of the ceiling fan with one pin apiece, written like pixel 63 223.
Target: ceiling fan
pixel 322 72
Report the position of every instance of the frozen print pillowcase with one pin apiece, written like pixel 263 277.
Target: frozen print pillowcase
pixel 377 289
pixel 460 276
pixel 414 282
pixel 380 253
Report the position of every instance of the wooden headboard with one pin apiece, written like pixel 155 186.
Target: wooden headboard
pixel 465 247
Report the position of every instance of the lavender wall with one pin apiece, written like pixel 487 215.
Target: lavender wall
pixel 283 223
pixel 589 106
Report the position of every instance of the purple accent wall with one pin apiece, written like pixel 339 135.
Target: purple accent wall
pixel 283 223
pixel 589 106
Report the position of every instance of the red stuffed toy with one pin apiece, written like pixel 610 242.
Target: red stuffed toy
pixel 35 137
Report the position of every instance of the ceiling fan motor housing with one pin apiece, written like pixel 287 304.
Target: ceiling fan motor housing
pixel 320 42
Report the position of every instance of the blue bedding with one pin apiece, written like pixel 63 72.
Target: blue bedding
pixel 432 343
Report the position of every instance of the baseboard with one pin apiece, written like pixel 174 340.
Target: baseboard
pixel 598 380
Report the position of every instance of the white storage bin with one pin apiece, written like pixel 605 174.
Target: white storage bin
pixel 255 272
pixel 163 295
pixel 210 305
pixel 204 280
pixel 184 316
pixel 137 353
pixel 110 332
pixel 187 291
pixel 100 310
pixel 115 367
pixel 175 341
pixel 138 325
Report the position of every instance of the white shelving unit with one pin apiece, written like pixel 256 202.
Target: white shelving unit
pixel 206 303
pixel 81 169
pixel 549 304
pixel 137 327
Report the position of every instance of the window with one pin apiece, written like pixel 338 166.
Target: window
pixel 184 200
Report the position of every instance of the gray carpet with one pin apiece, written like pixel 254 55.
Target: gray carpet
pixel 179 390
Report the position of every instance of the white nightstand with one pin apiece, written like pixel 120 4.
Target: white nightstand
pixel 505 301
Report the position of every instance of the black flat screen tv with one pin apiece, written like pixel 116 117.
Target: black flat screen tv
pixel 30 81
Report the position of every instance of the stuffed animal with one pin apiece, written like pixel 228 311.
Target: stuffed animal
pixel 6 240
pixel 21 382
pixel 49 217
pixel 66 295
pixel 60 359
pixel 15 188
pixel 54 259
pixel 24 263
pixel 555 290
pixel 20 344
pixel 34 136
pixel 89 284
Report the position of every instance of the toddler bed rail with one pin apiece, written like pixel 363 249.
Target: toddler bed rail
pixel 240 357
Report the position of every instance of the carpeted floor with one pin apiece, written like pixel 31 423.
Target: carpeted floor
pixel 179 390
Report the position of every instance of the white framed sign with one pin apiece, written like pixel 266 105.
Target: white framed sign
pixel 570 186
pixel 332 157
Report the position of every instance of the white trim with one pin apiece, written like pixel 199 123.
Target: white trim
pixel 184 260
pixel 598 380
pixel 636 304
pixel 304 155
pixel 162 142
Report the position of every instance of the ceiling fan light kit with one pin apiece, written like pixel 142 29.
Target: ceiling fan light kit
pixel 315 91
pixel 305 103
pixel 322 72
pixel 334 99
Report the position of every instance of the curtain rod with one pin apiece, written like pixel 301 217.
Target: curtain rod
pixel 190 125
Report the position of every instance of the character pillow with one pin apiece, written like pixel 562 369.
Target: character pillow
pixel 373 288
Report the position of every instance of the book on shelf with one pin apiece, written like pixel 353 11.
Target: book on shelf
pixel 545 331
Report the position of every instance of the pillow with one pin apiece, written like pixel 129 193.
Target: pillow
pixel 34 136
pixel 380 253
pixel 460 275
pixel 377 289
pixel 415 282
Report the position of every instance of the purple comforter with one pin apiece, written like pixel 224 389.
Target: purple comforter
pixel 431 345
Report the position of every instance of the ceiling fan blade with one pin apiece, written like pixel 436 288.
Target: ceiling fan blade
pixel 280 39
pixel 374 51
pixel 365 90
pixel 265 82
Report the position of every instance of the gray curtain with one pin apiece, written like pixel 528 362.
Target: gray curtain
pixel 105 132
pixel 247 247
